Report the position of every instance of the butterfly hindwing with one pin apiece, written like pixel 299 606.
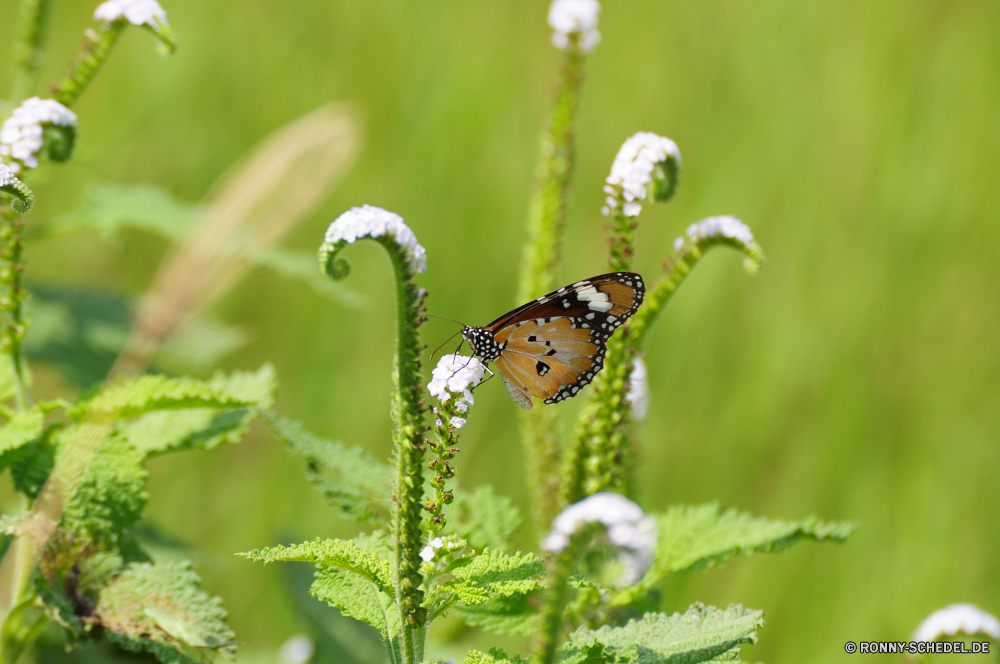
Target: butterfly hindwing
pixel 553 347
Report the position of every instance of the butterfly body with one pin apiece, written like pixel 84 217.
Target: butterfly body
pixel 552 347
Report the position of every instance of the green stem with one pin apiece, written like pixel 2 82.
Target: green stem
pixel 444 448
pixel 620 241
pixel 28 53
pixel 407 437
pixel 540 260
pixel 97 45
pixel 553 611
pixel 12 276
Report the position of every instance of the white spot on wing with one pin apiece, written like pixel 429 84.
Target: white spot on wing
pixel 601 306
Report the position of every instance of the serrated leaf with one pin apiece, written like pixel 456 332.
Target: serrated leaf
pixel 111 496
pixel 484 518
pixel 150 393
pixel 494 656
pixel 598 653
pixel 22 428
pixel 489 575
pixel 699 537
pixel 701 634
pixel 196 428
pixel 502 615
pixel 161 609
pixel 349 478
pixel 357 556
pixel 358 598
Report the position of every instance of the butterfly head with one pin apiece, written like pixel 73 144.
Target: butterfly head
pixel 482 342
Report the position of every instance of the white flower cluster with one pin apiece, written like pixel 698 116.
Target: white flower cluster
pixel 446 543
pixel 575 17
pixel 6 176
pixel 727 226
pixel 951 620
pixel 456 374
pixel 638 392
pixel 628 528
pixel 371 221
pixel 21 136
pixel 136 12
pixel 633 168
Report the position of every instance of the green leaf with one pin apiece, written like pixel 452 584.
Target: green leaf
pixel 196 428
pixel 111 496
pixel 494 656
pixel 598 653
pixel 359 556
pixel 161 609
pixel 484 518
pixel 151 393
pixel 358 598
pixel 23 428
pixel 502 615
pixel 30 465
pixel 479 579
pixel 699 537
pixel 349 478
pixel 109 209
pixel 701 634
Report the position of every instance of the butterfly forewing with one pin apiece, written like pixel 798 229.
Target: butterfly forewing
pixel 554 346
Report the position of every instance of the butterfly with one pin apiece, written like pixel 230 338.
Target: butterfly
pixel 552 347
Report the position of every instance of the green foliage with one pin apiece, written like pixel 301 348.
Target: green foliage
pixel 111 497
pixel 484 518
pixel 161 609
pixel 701 634
pixel 514 614
pixel 494 656
pixel 486 576
pixel 361 557
pixel 22 428
pixel 358 598
pixel 150 393
pixel 196 428
pixel 699 537
pixel 348 477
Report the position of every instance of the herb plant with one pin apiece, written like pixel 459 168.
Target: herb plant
pixel 434 549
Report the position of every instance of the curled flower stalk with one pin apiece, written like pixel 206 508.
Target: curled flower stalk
pixel 574 24
pixel 646 167
pixel 37 127
pixel 408 259
pixel 113 17
pixel 614 536
pixel 11 275
pixel 701 237
pixel 452 382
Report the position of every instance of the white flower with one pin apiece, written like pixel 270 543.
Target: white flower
pixel 458 422
pixel 456 374
pixel 634 166
pixel 436 543
pixel 298 649
pixel 371 221
pixel 638 393
pixel 136 12
pixel 575 17
pixel 427 553
pixel 679 244
pixel 950 620
pixel 6 175
pixel 21 136
pixel 727 226
pixel 628 528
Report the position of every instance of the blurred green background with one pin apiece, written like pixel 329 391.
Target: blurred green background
pixel 857 377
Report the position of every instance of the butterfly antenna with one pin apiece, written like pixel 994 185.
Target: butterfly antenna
pixel 445 341
pixel 443 318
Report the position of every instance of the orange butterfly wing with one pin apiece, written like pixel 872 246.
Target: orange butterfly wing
pixel 552 357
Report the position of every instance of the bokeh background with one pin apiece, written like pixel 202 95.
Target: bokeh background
pixel 857 377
